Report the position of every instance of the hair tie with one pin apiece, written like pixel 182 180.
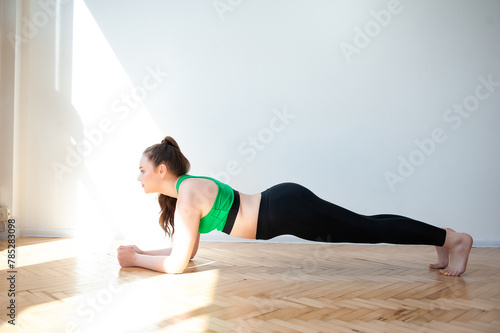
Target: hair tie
pixel 168 143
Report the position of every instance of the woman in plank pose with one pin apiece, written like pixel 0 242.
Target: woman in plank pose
pixel 202 204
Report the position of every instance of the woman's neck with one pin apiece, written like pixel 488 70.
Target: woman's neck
pixel 169 186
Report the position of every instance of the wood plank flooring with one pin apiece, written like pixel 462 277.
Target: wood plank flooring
pixel 64 286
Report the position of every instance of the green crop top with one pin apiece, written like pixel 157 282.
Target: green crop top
pixel 216 218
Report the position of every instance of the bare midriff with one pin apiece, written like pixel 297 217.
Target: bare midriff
pixel 245 225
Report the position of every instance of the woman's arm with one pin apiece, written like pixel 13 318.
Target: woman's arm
pixel 195 248
pixel 128 257
pixel 164 252
pixel 159 252
pixel 161 264
pixel 186 241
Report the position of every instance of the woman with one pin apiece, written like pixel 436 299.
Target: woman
pixel 200 204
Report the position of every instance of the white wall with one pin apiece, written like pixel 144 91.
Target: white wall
pixel 110 78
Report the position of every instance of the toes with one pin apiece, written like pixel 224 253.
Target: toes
pixel 450 272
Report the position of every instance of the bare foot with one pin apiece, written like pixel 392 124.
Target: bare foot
pixel 443 258
pixel 443 255
pixel 459 246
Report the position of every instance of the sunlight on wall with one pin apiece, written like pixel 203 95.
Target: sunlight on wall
pixel 110 200
pixel 117 127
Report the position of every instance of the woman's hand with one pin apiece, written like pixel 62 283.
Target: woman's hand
pixel 127 255
pixel 136 249
pixel 133 247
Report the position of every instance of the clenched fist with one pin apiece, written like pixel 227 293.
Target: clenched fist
pixel 127 255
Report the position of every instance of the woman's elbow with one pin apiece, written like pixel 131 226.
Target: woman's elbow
pixel 176 268
pixel 193 255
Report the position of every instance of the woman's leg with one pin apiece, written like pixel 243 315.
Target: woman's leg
pixel 293 209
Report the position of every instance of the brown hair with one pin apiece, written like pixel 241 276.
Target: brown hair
pixel 168 152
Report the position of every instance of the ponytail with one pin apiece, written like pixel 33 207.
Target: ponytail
pixel 168 153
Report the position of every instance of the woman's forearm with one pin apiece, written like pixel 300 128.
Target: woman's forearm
pixel 159 252
pixel 163 264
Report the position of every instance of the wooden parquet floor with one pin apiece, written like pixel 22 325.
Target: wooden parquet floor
pixel 63 286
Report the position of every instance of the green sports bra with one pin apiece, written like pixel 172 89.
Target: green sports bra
pixel 216 218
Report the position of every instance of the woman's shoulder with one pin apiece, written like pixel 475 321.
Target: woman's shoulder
pixel 194 186
pixel 196 195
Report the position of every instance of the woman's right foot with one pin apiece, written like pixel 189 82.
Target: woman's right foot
pixel 459 246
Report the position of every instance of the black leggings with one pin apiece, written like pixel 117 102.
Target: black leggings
pixel 291 209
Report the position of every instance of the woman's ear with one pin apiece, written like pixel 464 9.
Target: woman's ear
pixel 162 168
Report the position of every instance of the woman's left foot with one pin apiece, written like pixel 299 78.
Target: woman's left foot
pixel 443 258
pixel 443 255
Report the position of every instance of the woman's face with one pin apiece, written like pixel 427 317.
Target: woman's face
pixel 149 175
